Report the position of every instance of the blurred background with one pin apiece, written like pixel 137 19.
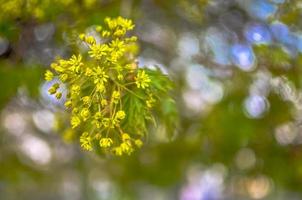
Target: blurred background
pixel 237 68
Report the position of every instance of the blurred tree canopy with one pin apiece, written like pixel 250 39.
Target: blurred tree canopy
pixel 236 72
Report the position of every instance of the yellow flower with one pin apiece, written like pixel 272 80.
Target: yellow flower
pixel 106 142
pixel 75 110
pixel 85 141
pixel 100 76
pixel 116 95
pixel 75 121
pixel 98 116
pixel 118 151
pixel 75 63
pixel 120 114
pixel 58 67
pixel 52 90
pixel 119 32
pixel 106 122
pixel 88 71
pixel 90 40
pixel 120 77
pixel 98 28
pixel 68 104
pixel 150 102
pixel 86 100
pixel 48 75
pixel 100 87
pixel 138 143
pixel 64 77
pixel 85 113
pixel 104 102
pixel 82 36
pixel 126 147
pixel 58 95
pixel 75 90
pixel 96 123
pixel 98 136
pixel 56 85
pixel 117 45
pixel 142 80
pixel 125 137
pixel 125 23
pixel 112 24
pixel 131 39
pixel 97 51
pixel 105 33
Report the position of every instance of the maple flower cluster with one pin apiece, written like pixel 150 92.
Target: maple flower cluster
pixel 98 82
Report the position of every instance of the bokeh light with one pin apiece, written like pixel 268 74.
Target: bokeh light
pixel 243 57
pixel 256 106
pixel 257 34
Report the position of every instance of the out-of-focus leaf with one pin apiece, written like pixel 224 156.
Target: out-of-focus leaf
pixel 18 76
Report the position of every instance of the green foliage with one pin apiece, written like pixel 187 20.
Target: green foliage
pixel 273 57
pixel 27 77
pixel 166 109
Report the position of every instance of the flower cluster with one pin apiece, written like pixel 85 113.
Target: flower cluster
pixel 109 97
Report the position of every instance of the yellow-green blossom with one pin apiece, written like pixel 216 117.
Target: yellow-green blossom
pixel 116 96
pixel 100 76
pixel 63 77
pixel 90 40
pixel 58 95
pixel 97 51
pixel 48 75
pixel 52 90
pixel 88 71
pixel 82 36
pixel 75 90
pixel 106 122
pixel 105 33
pixel 118 151
pixel 75 63
pixel 86 100
pixel 150 102
pixel 120 114
pixel 142 80
pixel 68 104
pixel 98 116
pixel 138 143
pixel 104 89
pixel 75 121
pixel 106 142
pixel 85 141
pixel 125 137
pixel 100 87
pixel 104 102
pixel 126 147
pixel 85 113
